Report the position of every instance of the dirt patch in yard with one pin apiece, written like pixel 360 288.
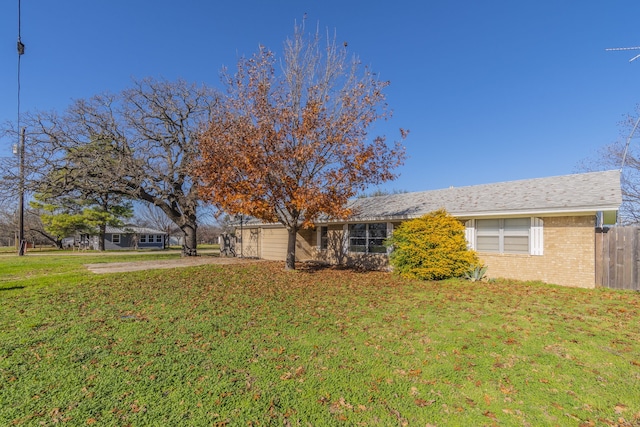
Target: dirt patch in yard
pixel 123 267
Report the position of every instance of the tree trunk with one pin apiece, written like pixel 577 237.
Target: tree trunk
pixel 290 263
pixel 56 241
pixel 190 240
pixel 101 237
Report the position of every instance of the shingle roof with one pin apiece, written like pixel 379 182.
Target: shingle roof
pixel 128 229
pixel 577 193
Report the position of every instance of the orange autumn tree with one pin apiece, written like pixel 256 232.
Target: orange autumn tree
pixel 289 140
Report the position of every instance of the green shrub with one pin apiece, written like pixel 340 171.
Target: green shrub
pixel 432 247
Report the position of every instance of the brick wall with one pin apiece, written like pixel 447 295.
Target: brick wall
pixel 569 255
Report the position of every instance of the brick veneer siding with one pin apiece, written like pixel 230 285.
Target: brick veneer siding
pixel 569 255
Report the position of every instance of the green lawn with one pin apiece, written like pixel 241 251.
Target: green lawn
pixel 60 268
pixel 255 345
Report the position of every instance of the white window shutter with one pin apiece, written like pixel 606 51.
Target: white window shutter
pixel 537 237
pixel 470 233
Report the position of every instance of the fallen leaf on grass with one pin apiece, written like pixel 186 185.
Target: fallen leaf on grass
pixel 490 415
pixel 286 376
pixel 422 403
pixel 323 400
pixel 620 408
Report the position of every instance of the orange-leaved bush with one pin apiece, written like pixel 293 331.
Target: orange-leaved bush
pixel 432 247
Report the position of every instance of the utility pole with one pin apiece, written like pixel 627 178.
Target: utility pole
pixel 20 148
pixel 21 241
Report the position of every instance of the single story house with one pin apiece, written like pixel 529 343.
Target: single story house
pixel 533 229
pixel 132 237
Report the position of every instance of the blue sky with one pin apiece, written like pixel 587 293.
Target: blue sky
pixel 492 90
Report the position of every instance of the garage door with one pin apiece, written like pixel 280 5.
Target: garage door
pixel 274 244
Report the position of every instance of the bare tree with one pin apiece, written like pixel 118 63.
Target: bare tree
pixel 138 144
pixel 209 233
pixel 8 224
pixel 623 154
pixel 152 216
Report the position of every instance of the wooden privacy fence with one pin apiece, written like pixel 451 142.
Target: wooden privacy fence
pixel 617 258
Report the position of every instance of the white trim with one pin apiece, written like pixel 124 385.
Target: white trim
pixel 470 233
pixel 389 233
pixel 488 215
pixel 536 240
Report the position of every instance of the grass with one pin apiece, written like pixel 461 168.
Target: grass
pixel 255 345
pixel 61 268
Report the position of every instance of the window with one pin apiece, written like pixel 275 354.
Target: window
pixel 368 238
pixel 115 239
pixel 324 238
pixel 158 238
pixel 509 235
pixel 143 238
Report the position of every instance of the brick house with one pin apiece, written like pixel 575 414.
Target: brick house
pixel 534 229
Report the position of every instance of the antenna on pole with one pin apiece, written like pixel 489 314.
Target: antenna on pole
pixel 626 148
pixel 611 49
pixel 637 122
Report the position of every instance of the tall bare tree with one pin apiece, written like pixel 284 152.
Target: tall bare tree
pixel 623 154
pixel 139 144
pixel 290 143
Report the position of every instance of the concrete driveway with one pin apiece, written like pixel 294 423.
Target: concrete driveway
pixel 122 267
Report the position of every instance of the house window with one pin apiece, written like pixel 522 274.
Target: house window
pixel 368 238
pixel 324 238
pixel 509 235
pixel 115 239
pixel 158 238
pixel 143 238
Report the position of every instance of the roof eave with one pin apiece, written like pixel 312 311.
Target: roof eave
pixel 584 211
